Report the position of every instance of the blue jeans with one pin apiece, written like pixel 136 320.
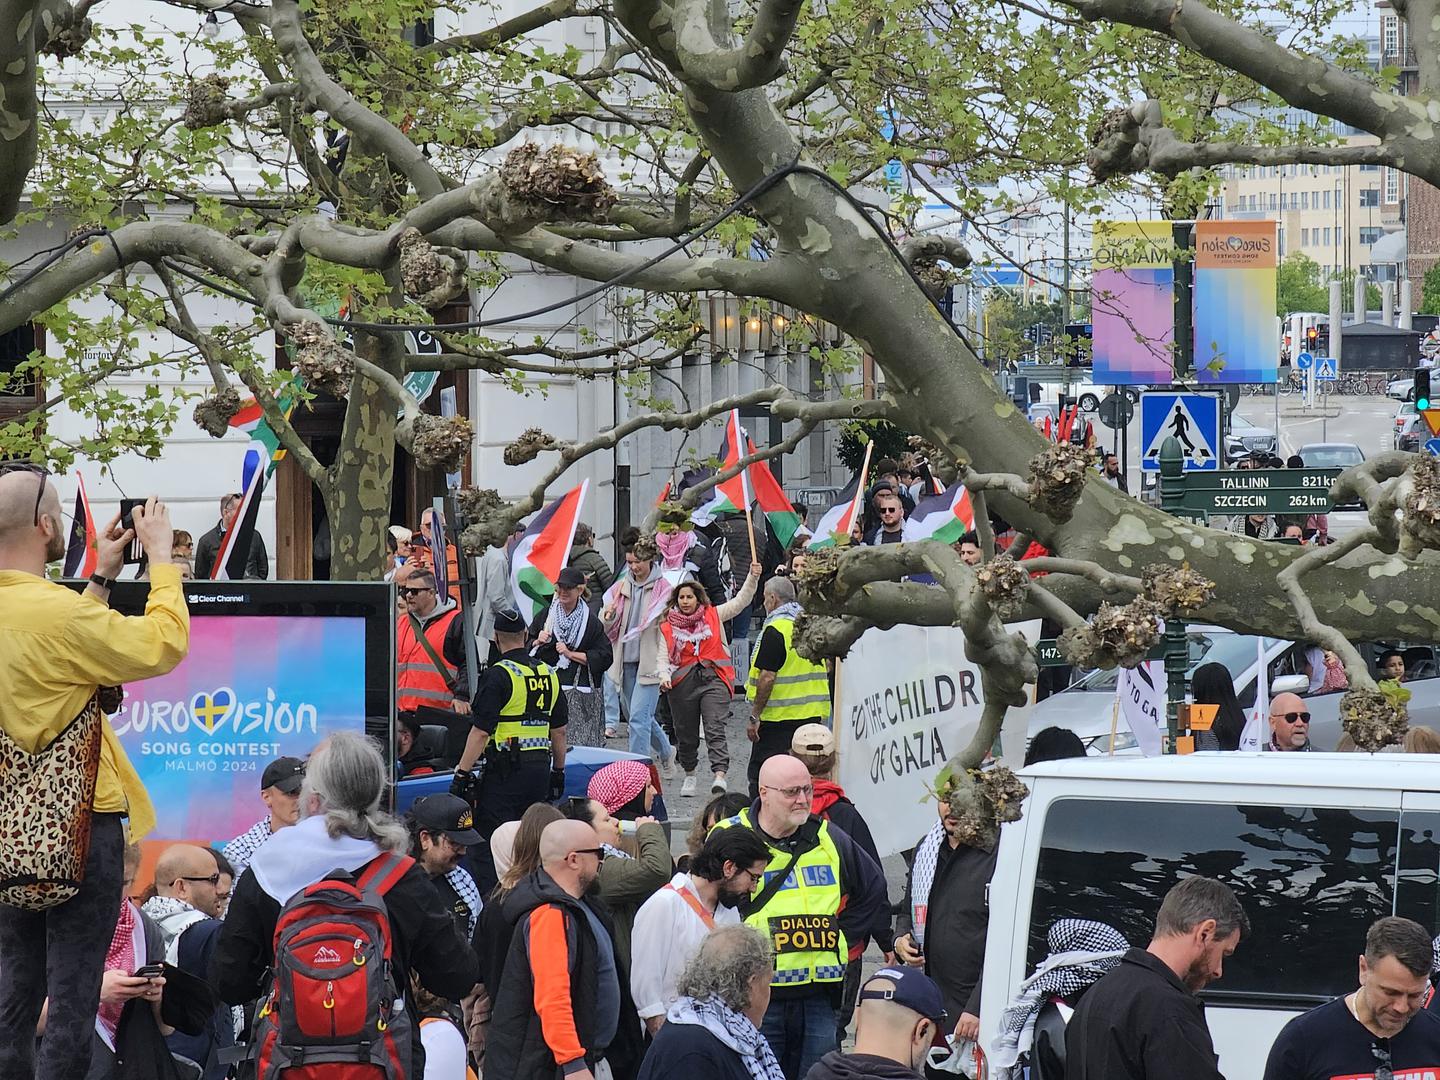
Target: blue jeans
pixel 645 732
pixel 800 1031
pixel 612 704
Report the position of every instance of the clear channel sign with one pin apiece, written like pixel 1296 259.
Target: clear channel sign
pixel 1260 491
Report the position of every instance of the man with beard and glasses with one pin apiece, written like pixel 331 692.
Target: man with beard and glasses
pixel 670 926
pixel 1382 1029
pixel 59 650
pixel 1143 1021
pixel 563 1001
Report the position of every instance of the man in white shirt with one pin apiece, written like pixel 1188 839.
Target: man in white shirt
pixel 670 926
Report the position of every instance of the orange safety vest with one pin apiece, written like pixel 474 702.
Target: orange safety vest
pixel 713 651
pixel 416 680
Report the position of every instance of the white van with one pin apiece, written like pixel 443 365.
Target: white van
pixel 1316 846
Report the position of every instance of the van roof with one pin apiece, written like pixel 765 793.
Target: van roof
pixel 1408 772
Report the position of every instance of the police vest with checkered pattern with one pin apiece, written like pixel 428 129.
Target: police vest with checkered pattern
pixel 802 687
pixel 802 918
pixel 525 719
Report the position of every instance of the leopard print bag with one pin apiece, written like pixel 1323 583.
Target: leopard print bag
pixel 45 807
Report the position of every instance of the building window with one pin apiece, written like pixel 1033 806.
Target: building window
pixel 1326 197
pixel 1273 201
pixel 1370 233
pixel 20 391
pixel 1327 238
pixel 1392 185
pixel 1304 237
pixel 1389 35
pixel 1369 168
pixel 1370 197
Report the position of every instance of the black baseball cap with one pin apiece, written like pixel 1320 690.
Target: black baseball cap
pixel 570 578
pixel 448 814
pixel 285 774
pixel 913 989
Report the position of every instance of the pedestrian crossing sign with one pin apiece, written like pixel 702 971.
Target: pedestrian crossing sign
pixel 1192 419
pixel 1327 369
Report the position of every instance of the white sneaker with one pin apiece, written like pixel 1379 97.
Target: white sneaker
pixel 687 789
pixel 719 786
pixel 667 766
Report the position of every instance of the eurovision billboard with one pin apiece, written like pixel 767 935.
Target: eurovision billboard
pixel 1236 340
pixel 253 688
pixel 1132 299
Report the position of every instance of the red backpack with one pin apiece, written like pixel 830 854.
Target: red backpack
pixel 334 1011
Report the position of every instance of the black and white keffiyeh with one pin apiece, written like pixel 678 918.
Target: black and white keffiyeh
pixel 733 1029
pixel 568 628
pixel 922 878
pixel 1081 952
pixel 465 888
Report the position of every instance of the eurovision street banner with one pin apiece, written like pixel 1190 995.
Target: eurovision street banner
pixel 1132 298
pixel 251 689
pixel 1235 266
pixel 907 700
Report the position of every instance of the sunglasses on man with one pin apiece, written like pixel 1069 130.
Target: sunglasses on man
pixel 412 590
pixel 29 467
pixel 1292 717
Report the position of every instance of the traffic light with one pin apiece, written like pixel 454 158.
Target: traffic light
pixel 1312 338
pixel 1422 388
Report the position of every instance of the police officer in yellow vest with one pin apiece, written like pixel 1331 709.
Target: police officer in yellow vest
pixel 785 690
pixel 821 895
pixel 518 738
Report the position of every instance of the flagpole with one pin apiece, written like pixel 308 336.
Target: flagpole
pixel 738 442
pixel 864 476
pixel 750 529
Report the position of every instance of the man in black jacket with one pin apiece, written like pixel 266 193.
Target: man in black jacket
pixel 1143 1021
pixel 945 915
pixel 341 828
pixel 563 1000
pixel 257 561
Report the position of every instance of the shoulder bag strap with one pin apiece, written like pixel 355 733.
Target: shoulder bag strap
pixel 774 885
pixel 695 906
pixel 435 660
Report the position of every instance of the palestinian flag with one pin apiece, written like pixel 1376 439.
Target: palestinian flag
pixel 82 553
pixel 835 525
pixel 542 552
pixel 779 512
pixel 234 550
pixel 734 495
pixel 945 517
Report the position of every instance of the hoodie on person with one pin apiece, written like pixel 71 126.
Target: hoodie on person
pixel 838 1066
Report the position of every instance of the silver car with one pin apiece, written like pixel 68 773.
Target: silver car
pixel 1087 706
pixel 1245 438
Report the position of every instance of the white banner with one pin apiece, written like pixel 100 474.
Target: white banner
pixel 1141 691
pixel 907 700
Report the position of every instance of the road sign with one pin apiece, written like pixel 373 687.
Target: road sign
pixel 1116 410
pixel 1048 654
pixel 1261 491
pixel 1433 445
pixel 1327 369
pixel 1194 421
pixel 1303 361
pixel 1432 420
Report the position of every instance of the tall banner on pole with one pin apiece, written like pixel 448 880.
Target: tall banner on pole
pixel 906 701
pixel 1235 267
pixel 1132 297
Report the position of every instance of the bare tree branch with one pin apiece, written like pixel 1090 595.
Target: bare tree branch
pixel 755 62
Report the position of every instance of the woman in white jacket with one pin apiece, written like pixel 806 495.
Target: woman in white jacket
pixel 632 615
pixel 697 676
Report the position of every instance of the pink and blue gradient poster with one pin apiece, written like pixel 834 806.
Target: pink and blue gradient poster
pixel 1237 339
pixel 253 688
pixel 1132 303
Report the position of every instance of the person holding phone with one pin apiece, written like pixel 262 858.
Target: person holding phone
pixel 57 649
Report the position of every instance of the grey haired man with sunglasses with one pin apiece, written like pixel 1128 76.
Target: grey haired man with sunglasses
pixel 1289 723
pixel 57 648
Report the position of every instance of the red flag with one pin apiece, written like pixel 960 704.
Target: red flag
pixel 81 555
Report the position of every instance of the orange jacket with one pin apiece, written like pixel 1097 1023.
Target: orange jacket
pixel 416 680
pixel 714 651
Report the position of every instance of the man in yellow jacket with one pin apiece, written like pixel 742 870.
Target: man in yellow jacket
pixel 56 648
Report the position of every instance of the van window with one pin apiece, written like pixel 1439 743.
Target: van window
pixel 1310 879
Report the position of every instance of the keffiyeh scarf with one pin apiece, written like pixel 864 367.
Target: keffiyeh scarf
pixel 922 878
pixel 731 1028
pixel 120 956
pixel 1081 951
pixel 567 628
pixel 686 630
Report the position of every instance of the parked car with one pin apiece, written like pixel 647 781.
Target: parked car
pixel 1245 438
pixel 1415 434
pixel 1317 846
pixel 1404 413
pixel 1401 389
pixel 1086 706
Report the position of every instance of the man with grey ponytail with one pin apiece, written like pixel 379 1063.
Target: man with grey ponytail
pixel 341 828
